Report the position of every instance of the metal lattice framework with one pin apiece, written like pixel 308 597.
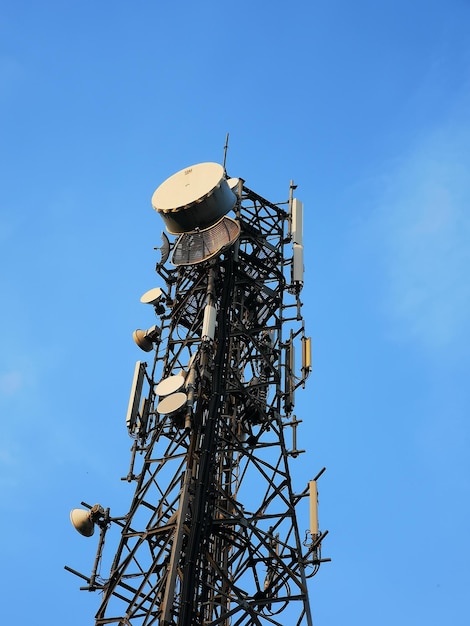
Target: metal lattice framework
pixel 211 536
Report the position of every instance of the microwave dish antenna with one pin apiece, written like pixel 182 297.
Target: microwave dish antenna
pixel 200 245
pixel 195 197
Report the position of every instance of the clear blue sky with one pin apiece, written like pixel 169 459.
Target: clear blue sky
pixel 366 105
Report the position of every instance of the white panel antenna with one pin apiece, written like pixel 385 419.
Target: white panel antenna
pixel 298 265
pixel 136 392
pixel 208 326
pixel 297 225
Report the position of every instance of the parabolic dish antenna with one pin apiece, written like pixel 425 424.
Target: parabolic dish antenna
pixel 195 197
pixel 170 385
pixel 172 403
pixel 201 245
pixel 151 296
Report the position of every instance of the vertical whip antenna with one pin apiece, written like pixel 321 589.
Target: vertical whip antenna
pixel 225 151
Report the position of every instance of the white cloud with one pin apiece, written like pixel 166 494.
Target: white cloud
pixel 423 228
pixel 11 382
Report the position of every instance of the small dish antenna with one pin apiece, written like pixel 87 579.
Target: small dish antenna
pixel 172 403
pixel 164 250
pixel 152 296
pixel 84 521
pixel 81 521
pixel 171 384
pixel 146 338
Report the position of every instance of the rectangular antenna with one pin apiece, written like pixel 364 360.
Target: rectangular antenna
pixel 297 226
pixel 313 508
pixel 289 375
pixel 306 355
pixel 298 265
pixel 136 391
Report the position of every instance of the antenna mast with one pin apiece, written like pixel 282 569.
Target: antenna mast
pixel 225 151
pixel 212 534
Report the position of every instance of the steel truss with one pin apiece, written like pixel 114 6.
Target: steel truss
pixel 212 536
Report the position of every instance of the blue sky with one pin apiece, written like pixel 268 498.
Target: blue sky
pixel 366 106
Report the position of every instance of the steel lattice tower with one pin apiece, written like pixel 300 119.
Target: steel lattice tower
pixel 212 536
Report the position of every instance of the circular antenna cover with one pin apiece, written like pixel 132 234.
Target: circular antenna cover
pixel 171 404
pixel 81 521
pixel 193 198
pixel 151 296
pixel 170 385
pixel 141 339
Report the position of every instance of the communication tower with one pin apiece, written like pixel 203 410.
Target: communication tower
pixel 212 535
